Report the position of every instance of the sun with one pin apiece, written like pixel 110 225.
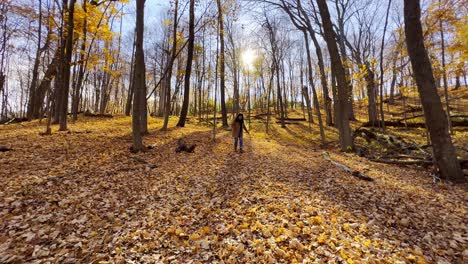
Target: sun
pixel 248 58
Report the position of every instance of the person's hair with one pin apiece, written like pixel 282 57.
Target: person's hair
pixel 238 117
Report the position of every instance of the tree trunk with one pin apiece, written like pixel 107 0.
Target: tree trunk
pixel 138 79
pixel 81 69
pixel 63 103
pixel 444 74
pixel 128 104
pixel 338 69
pixel 436 120
pixel 314 93
pixel 168 76
pixel 223 65
pixel 35 73
pixel 188 69
pixel 371 94
pixel 382 116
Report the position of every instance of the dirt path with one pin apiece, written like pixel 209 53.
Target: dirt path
pixel 84 197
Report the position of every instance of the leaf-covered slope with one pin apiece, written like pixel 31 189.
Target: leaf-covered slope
pixel 84 196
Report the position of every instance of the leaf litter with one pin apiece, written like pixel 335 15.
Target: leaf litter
pixel 83 197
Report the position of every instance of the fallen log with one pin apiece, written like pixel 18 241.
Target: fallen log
pixel 182 146
pixel 89 114
pixel 354 173
pixel 14 120
pixel 420 162
pixel 291 119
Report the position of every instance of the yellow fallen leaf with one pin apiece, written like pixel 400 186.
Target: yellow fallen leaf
pixel 322 238
pixel 194 236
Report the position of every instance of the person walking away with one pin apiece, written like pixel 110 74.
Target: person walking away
pixel 237 131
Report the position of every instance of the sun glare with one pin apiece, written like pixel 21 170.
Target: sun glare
pixel 248 57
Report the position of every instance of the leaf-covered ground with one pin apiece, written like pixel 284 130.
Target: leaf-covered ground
pixel 83 197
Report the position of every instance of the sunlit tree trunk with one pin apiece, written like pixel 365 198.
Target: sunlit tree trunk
pixel 444 75
pixel 314 93
pixel 168 76
pixel 436 120
pixel 338 69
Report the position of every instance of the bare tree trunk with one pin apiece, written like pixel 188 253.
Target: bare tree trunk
pixel 63 103
pixel 382 115
pixel 270 86
pixel 338 69
pixel 444 73
pixel 314 93
pixel 188 69
pixel 138 78
pixel 371 95
pixel 128 104
pixel 305 95
pixel 168 76
pixel 223 65
pixel 436 120
pixel 35 73
pixel 391 99
pixel 81 69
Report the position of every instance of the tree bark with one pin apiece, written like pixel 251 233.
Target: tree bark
pixel 65 87
pixel 35 73
pixel 223 65
pixel 371 95
pixel 436 120
pixel 382 115
pixel 314 93
pixel 444 75
pixel 338 69
pixel 138 78
pixel 188 69
pixel 168 76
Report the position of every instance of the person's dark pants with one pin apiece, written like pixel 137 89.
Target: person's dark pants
pixel 239 140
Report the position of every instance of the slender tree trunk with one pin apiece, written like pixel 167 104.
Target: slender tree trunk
pixel 168 76
pixel 391 98
pixel 270 86
pixel 382 115
pixel 436 120
pixel 35 73
pixel 305 95
pixel 188 69
pixel 63 103
pixel 314 93
pixel 444 73
pixel 223 65
pixel 371 95
pixel 81 69
pixel 128 104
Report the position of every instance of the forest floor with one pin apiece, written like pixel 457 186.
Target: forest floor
pixel 81 196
